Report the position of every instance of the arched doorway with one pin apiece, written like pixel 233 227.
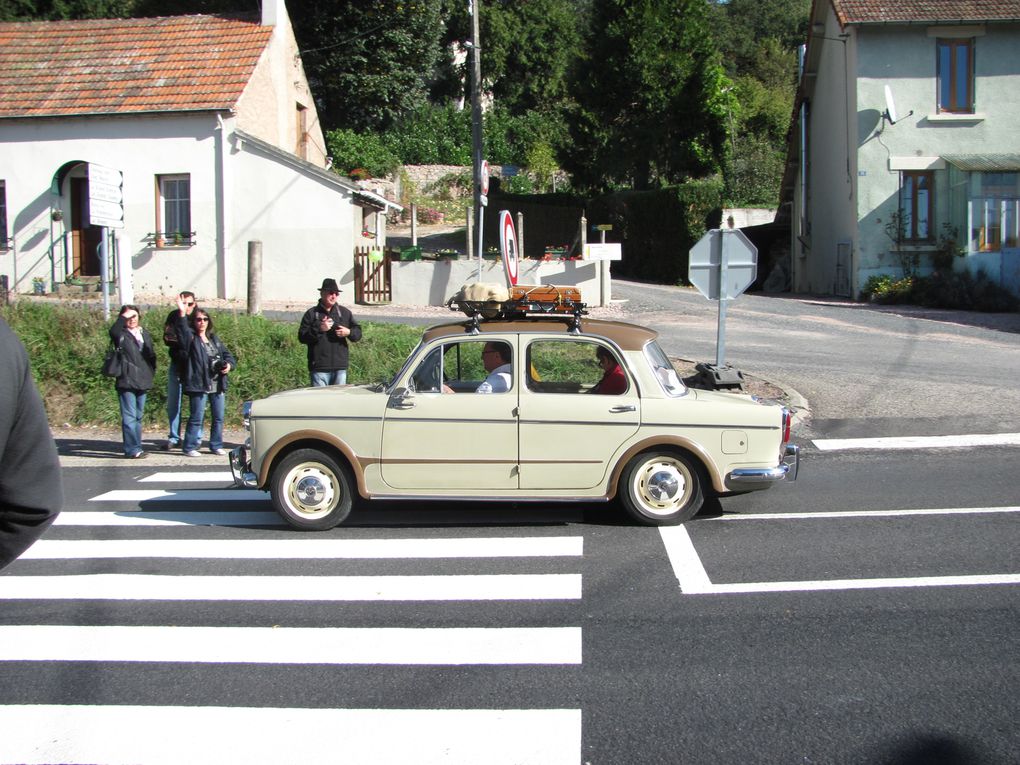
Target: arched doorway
pixel 71 191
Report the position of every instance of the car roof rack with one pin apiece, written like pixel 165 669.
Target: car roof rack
pixel 523 301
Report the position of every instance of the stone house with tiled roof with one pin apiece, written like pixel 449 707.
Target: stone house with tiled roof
pixel 183 139
pixel 905 135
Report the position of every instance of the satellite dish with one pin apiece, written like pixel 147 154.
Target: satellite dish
pixel 890 107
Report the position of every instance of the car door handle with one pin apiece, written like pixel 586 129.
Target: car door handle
pixel 623 408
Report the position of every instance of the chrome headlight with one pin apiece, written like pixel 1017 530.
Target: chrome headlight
pixel 246 415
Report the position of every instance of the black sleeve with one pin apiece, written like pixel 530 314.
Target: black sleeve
pixel 31 493
pixel 308 332
pixel 355 330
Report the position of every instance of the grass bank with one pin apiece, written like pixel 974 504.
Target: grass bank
pixel 66 345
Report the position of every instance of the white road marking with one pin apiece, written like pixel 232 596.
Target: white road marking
pixel 864 584
pixel 294 645
pixel 865 514
pixel 199 495
pixel 693 579
pixel 307 549
pixel 684 558
pixel 271 736
pixel 919 442
pixel 189 476
pixel 169 518
pixel 292 588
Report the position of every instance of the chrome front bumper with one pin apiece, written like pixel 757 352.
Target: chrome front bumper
pixel 240 468
pixel 787 470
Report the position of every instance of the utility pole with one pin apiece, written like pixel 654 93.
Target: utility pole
pixel 476 123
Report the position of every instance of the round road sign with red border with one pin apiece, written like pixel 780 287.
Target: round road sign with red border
pixel 508 246
pixel 485 177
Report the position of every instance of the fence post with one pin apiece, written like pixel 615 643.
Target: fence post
pixel 254 278
pixel 414 224
pixel 470 233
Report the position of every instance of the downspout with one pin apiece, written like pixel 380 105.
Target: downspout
pixel 222 211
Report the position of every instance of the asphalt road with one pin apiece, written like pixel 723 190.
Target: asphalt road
pixel 825 621
pixel 865 614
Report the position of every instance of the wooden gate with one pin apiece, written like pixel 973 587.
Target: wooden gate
pixel 372 275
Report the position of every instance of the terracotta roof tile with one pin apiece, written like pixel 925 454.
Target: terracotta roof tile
pixel 108 66
pixel 926 11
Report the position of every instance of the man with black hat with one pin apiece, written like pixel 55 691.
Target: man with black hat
pixel 327 328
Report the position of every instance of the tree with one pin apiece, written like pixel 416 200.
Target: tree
pixel 528 49
pixel 369 62
pixel 653 101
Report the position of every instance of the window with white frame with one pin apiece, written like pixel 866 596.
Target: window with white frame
pixel 173 213
pixel 955 74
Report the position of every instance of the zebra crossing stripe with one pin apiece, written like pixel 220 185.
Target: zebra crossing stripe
pixel 196 495
pixel 169 518
pixel 294 645
pixel 308 549
pixel 190 476
pixel 270 736
pixel 292 588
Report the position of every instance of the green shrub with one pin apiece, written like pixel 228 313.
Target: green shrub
pixel 432 135
pixel 942 289
pixel 365 152
pixel 66 346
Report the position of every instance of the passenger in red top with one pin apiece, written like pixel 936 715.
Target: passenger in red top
pixel 613 381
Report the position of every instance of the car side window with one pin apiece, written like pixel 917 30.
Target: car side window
pixel 565 366
pixel 456 367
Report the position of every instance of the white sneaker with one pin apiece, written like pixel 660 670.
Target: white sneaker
pixel 192 453
pixel 218 452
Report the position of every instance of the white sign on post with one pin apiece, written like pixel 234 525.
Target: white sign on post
pixel 106 196
pixel 722 265
pixel 603 251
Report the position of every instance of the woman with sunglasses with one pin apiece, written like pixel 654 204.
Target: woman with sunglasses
pixel 205 379
pixel 138 367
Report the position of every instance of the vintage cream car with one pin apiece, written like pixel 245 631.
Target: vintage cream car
pixel 440 430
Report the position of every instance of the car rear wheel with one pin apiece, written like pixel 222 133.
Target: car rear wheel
pixel 311 491
pixel 662 488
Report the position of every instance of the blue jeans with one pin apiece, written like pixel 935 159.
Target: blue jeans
pixel 174 397
pixel 193 435
pixel 322 379
pixel 132 406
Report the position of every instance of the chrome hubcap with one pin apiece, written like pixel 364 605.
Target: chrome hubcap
pixel 662 485
pixel 310 491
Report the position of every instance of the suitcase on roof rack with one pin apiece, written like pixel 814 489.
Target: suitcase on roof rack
pixel 546 298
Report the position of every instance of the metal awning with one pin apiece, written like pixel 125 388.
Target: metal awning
pixel 368 199
pixel 984 163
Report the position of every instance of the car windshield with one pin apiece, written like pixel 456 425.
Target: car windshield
pixel 664 371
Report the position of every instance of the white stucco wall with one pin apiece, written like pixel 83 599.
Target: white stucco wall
pixel 306 224
pixel 32 151
pixel 434 282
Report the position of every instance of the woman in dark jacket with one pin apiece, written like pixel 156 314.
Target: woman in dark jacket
pixel 209 363
pixel 138 367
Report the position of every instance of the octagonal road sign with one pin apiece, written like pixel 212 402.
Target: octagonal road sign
pixel 723 264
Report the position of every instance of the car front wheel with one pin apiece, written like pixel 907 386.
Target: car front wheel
pixel 311 491
pixel 662 488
